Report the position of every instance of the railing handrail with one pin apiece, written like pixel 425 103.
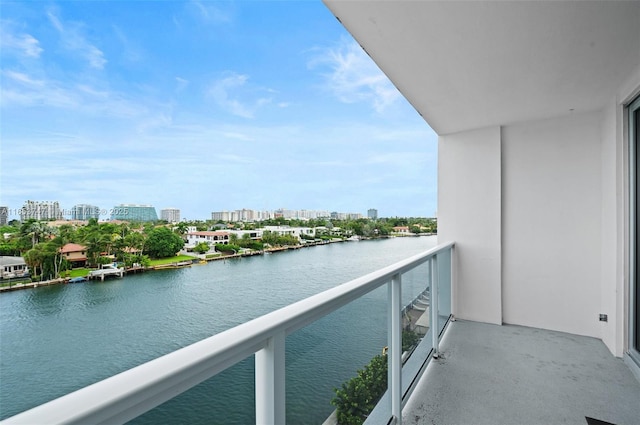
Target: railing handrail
pixel 133 392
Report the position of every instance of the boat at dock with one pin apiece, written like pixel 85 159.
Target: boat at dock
pixel 106 270
pixel 78 279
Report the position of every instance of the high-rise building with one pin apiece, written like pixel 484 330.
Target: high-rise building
pixel 4 215
pixel 85 212
pixel 134 212
pixel 172 215
pixel 220 216
pixel 372 213
pixel 40 210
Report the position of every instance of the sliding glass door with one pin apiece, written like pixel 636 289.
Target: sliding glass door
pixel 634 308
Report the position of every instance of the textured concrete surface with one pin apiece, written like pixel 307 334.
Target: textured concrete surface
pixel 508 374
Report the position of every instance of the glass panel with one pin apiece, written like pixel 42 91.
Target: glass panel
pixel 635 127
pixel 325 354
pixel 228 397
pixel 415 301
pixel 444 288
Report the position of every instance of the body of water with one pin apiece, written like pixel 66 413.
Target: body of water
pixel 54 340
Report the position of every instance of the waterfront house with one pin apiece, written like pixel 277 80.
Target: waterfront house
pixel 536 106
pixel 75 254
pixel 255 234
pixel 401 229
pixel 12 267
pixel 292 231
pixel 210 237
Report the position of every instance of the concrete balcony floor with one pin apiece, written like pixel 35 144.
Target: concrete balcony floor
pixel 508 374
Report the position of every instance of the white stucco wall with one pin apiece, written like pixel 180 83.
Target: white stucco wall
pixel 552 218
pixel 612 277
pixel 469 213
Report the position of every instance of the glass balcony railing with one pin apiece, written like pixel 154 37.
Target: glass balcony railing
pixel 430 306
pixel 424 310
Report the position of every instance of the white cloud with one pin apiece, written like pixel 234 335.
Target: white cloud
pixel 238 136
pixel 181 84
pixel 23 78
pixel 21 89
pixel 24 43
pixel 73 40
pixel 232 94
pixel 210 12
pixel 354 77
pixel 238 159
pixel 130 50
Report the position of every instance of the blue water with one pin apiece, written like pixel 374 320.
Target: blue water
pixel 54 340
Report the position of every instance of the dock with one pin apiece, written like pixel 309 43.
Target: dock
pixel 176 265
pixel 106 271
pixel 27 285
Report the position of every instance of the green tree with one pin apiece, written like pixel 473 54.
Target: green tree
pixel 409 339
pixel 162 243
pixel 35 231
pixel 96 243
pixel 8 229
pixel 67 232
pixel 53 249
pixel 201 248
pixel 357 397
pixel 35 258
pixel 9 248
pixel 229 248
pixel 269 237
pixel 181 228
pixel 135 241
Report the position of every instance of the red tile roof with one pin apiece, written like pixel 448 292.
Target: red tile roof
pixel 72 247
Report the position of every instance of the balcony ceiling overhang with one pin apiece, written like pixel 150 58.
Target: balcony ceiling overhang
pixel 465 65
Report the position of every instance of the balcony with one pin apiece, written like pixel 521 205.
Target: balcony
pixel 464 372
pixel 129 394
pixel 491 374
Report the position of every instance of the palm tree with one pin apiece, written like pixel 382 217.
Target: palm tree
pixel 96 243
pixel 35 230
pixel 181 228
pixel 54 246
pixel 34 259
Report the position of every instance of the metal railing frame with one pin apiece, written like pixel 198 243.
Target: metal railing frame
pixel 131 393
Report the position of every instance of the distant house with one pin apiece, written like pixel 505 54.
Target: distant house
pixel 401 229
pixel 75 254
pixel 11 267
pixel 292 231
pixel 253 234
pixel 212 238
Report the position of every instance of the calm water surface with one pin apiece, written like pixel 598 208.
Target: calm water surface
pixel 54 340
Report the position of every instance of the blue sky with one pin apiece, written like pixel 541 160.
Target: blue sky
pixel 203 106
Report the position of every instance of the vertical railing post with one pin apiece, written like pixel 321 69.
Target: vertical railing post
pixel 429 276
pixel 395 347
pixel 433 306
pixel 270 381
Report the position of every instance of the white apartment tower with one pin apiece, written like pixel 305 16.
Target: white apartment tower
pixel 40 210
pixel 172 215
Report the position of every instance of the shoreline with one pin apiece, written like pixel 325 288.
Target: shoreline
pixel 186 263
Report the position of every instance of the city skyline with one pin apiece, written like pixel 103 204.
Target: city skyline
pixel 202 105
pixel 46 210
